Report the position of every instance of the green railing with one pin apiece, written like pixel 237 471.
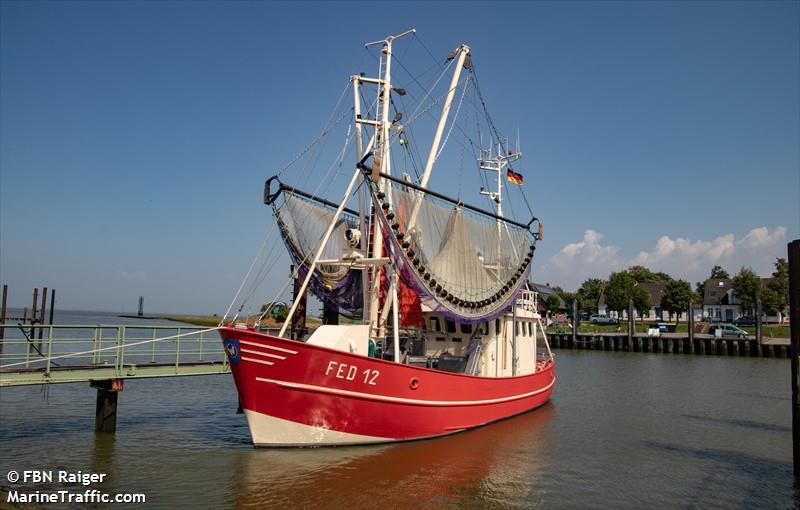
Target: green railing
pixel 70 353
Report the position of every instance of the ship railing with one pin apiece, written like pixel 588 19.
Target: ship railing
pixel 528 301
pixel 55 347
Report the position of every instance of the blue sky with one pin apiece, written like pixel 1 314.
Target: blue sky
pixel 135 136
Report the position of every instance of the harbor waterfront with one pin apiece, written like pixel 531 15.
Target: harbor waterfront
pixel 716 434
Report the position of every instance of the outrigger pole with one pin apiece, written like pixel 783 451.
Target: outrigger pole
pixel 463 51
pixel 325 238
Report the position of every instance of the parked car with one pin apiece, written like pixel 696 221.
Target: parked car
pixel 728 331
pixel 663 327
pixel 747 320
pixel 603 319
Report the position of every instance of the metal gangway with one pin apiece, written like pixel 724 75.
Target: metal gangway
pixel 46 354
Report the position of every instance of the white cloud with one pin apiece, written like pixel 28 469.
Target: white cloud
pixel 681 258
pixel 585 259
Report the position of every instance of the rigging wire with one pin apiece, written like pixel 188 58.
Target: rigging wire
pixel 247 275
pixel 322 135
pixel 455 124
pixel 419 39
pixel 455 117
pixel 268 262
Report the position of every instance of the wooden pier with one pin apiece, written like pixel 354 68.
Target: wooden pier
pixel 673 343
pixel 105 356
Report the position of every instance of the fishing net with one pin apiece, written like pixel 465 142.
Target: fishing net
pixel 302 224
pixel 465 264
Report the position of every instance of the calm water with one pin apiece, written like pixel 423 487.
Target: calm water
pixel 622 431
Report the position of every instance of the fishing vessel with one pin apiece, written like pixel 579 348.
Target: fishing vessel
pixel 446 332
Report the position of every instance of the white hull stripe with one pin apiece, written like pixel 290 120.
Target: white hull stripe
pixel 400 400
pixel 253 360
pixel 265 346
pixel 259 353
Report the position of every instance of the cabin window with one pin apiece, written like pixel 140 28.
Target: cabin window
pixel 450 326
pixel 456 339
pixel 530 329
pixel 484 328
pixel 516 327
pixel 440 339
pixel 435 326
pixel 497 326
pixel 466 328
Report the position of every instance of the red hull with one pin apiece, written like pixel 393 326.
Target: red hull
pixel 315 395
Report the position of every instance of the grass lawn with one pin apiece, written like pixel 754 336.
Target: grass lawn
pixel 198 320
pixel 773 330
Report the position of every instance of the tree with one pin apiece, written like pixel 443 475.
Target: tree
pixel 567 297
pixel 552 303
pixel 641 274
pixel 589 294
pixel 641 300
pixel 718 272
pixel 662 277
pixel 619 291
pixel 747 287
pixel 699 292
pixel 776 295
pixel 677 296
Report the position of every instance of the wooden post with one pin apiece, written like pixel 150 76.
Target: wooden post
pixel 41 315
pixel 33 312
pixel 691 322
pixel 574 322
pixel 52 303
pixel 299 317
pixel 794 351
pixel 106 409
pixel 3 315
pixel 759 329
pixel 34 309
pixel 330 313
pixel 631 323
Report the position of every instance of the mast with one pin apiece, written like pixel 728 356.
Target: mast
pixel 362 195
pixel 497 164
pixel 381 162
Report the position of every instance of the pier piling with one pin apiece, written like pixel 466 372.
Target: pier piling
pixel 3 315
pixel 106 410
pixel 41 315
pixel 794 350
pixel 34 308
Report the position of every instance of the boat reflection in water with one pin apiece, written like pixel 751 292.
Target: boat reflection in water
pixel 488 467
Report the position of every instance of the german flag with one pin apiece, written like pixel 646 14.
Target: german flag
pixel 514 177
